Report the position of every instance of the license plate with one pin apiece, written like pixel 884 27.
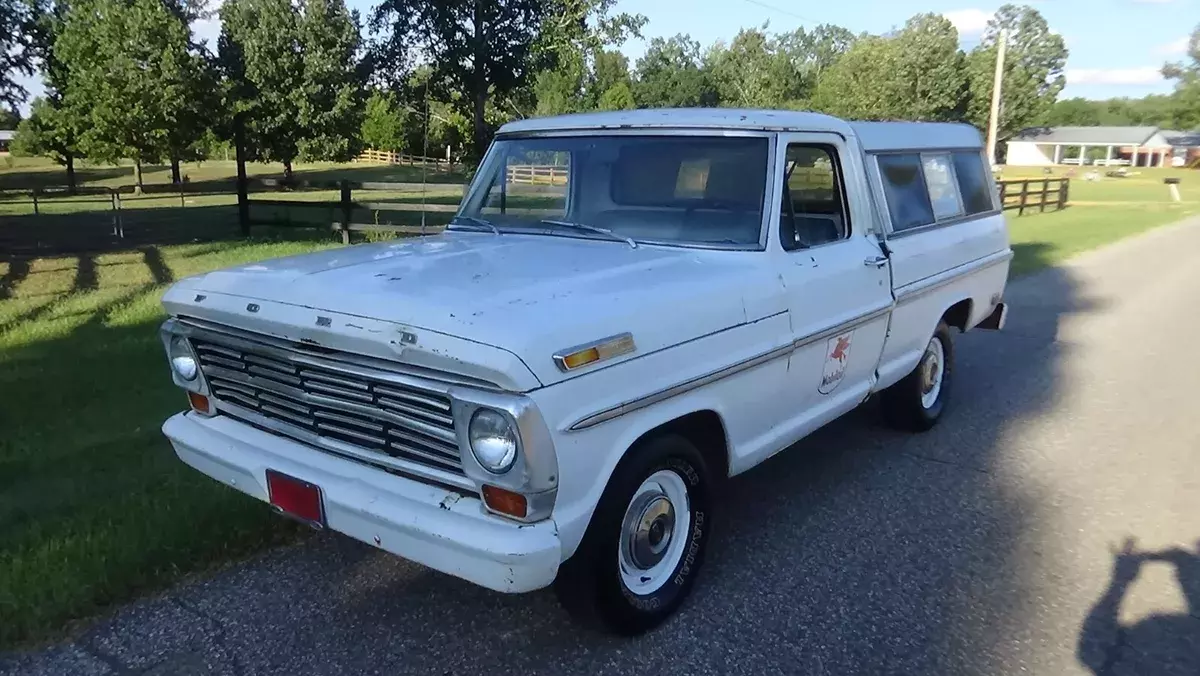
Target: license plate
pixel 296 498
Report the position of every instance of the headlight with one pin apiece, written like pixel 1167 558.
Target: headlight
pixel 493 440
pixel 183 362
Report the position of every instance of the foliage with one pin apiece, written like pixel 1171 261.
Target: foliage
pixel 17 48
pixel 1155 110
pixel 383 125
pixel 260 55
pixel 479 48
pixel 1185 104
pixel 1033 69
pixel 131 77
pixel 331 107
pixel 670 75
pixel 9 119
pixel 915 75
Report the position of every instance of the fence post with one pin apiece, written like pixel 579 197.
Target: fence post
pixel 1045 195
pixel 120 221
pixel 1064 188
pixel 347 211
pixel 1003 194
pixel 35 202
pixel 1024 197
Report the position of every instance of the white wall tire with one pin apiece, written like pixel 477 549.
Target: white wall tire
pixel 645 544
pixel 917 402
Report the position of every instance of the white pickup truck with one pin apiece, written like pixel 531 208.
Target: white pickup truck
pixel 627 309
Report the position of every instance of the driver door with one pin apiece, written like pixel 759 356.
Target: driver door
pixel 836 277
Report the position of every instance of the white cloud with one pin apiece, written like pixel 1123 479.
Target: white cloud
pixel 1114 76
pixel 1174 47
pixel 969 21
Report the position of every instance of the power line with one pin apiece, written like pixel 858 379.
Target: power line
pixel 773 8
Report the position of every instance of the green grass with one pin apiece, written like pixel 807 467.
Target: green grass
pixel 1143 185
pixel 94 506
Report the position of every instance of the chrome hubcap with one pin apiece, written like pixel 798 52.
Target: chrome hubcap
pixel 932 372
pixel 649 549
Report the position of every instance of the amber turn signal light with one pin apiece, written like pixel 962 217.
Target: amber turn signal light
pixel 505 501
pixel 200 403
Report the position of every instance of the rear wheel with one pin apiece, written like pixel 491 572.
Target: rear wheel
pixel 645 543
pixel 916 403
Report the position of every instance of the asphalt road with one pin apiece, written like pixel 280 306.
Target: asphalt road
pixel 987 546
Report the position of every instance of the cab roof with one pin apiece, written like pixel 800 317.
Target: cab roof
pixel 873 136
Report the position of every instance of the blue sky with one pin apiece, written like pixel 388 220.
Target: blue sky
pixel 1117 46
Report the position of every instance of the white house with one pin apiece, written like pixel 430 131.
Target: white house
pixel 1131 146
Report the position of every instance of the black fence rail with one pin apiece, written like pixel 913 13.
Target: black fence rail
pixel 1034 193
pixel 400 208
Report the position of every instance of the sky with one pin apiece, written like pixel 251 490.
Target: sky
pixel 1117 47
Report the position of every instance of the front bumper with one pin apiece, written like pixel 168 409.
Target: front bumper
pixel 427 524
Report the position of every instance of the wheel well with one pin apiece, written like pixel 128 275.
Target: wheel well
pixel 706 431
pixel 959 314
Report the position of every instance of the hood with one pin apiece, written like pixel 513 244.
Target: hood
pixel 529 295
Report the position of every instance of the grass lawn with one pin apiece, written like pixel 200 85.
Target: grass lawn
pixel 94 506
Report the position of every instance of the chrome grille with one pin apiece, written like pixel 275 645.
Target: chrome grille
pixel 321 399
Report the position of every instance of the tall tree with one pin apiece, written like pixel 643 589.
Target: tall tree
pixel 481 48
pixel 260 56
pixel 52 129
pixel 1185 102
pixel 1033 69
pixel 670 75
pixel 331 103
pixel 9 118
pixel 752 72
pixel 611 84
pixel 917 74
pixel 128 68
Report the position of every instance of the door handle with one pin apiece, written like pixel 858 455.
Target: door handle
pixel 876 261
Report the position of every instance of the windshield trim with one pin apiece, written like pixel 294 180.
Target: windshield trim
pixel 769 197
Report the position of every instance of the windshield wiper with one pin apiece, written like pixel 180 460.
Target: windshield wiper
pixel 479 222
pixel 592 228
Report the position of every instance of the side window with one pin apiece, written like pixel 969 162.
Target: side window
pixel 904 187
pixel 814 204
pixel 535 184
pixel 973 182
pixel 943 188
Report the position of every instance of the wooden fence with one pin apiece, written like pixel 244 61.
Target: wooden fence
pixel 388 157
pixel 538 174
pixel 1034 193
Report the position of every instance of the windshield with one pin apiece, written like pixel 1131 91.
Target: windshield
pixel 688 190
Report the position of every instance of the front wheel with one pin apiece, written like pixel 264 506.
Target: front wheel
pixel 645 543
pixel 916 403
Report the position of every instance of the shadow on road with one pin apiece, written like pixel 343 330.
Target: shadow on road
pixel 1158 644
pixel 860 550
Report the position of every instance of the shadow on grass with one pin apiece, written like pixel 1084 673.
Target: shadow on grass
pixel 57 177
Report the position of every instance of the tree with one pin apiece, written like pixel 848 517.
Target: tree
pixel 17 49
pixel 260 56
pixel 1076 112
pixel 917 74
pixel 9 119
pixel 1185 102
pixel 384 122
pixel 751 72
pixel 480 48
pixel 331 103
pixel 932 81
pixel 1033 70
pixel 669 75
pixel 48 132
pixel 129 72
pixel 611 81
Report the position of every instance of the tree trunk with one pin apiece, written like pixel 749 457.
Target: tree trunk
pixel 176 179
pixel 70 173
pixel 479 87
pixel 287 171
pixel 137 177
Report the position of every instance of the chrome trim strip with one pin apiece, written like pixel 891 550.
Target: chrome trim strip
pixel 410 469
pixel 619 344
pixel 725 372
pixel 914 290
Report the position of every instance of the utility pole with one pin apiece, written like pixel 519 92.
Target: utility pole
pixel 994 119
